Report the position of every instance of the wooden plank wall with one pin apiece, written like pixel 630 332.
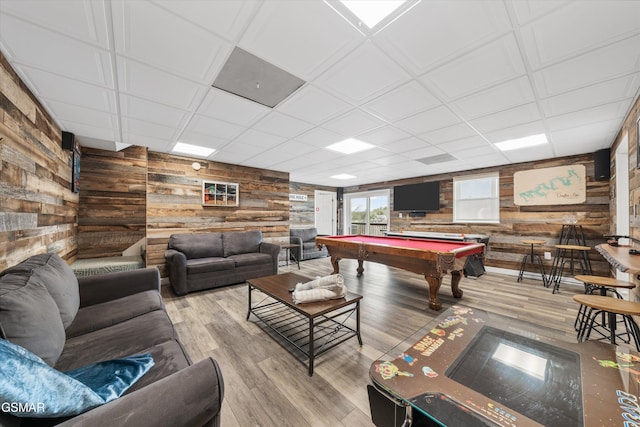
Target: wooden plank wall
pixel 302 213
pixel 113 195
pixel 630 127
pixel 174 202
pixel 38 211
pixel 516 222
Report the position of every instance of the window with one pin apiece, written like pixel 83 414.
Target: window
pixel 476 198
pixel 367 213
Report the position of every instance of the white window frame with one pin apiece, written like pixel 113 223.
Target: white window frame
pixel 460 216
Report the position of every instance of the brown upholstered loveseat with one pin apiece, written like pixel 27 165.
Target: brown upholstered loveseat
pixel 72 323
pixel 210 260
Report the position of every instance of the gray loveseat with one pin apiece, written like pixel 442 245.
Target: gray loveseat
pixel 210 260
pixel 306 238
pixel 71 323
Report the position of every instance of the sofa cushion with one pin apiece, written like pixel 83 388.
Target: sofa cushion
pixel 168 357
pixel 103 315
pixel 202 245
pixel 241 242
pixel 208 265
pixel 120 340
pixel 29 317
pixel 58 278
pixel 255 258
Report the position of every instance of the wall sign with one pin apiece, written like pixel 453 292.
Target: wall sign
pixel 298 197
pixel 562 185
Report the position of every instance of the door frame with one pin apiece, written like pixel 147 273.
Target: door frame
pixel 334 209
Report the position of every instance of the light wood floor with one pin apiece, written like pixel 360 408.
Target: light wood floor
pixel 267 386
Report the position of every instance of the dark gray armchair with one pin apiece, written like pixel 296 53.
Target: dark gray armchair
pixel 306 239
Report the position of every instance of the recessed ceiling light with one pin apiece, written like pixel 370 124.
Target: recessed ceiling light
pixel 528 141
pixel 371 12
pixel 350 146
pixel 343 176
pixel 194 150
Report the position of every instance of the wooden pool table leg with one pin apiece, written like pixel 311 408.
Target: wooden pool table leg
pixel 434 287
pixel 456 275
pixel 360 269
pixel 334 263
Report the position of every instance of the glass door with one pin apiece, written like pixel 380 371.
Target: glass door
pixel 367 213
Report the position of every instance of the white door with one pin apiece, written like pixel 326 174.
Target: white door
pixel 622 196
pixel 326 215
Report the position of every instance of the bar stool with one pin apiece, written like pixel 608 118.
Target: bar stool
pixel 612 307
pixel 533 257
pixel 561 260
pixel 600 285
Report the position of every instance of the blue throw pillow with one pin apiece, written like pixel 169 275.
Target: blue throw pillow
pixel 31 388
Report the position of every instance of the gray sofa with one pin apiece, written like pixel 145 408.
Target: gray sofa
pixel 306 238
pixel 210 260
pixel 71 323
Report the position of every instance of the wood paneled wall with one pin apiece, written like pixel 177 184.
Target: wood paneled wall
pixel 113 196
pixel 630 128
pixel 302 213
pixel 516 222
pixel 38 211
pixel 174 202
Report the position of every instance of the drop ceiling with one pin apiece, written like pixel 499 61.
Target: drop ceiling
pixel 445 80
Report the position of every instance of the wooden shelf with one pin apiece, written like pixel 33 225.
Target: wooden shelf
pixel 619 257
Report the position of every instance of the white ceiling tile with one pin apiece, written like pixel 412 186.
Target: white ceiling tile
pixel 282 125
pixel 154 144
pixel 148 33
pixel 295 147
pixel 529 154
pixel 584 139
pixel 507 95
pixel 428 151
pixel 224 18
pixel 195 138
pixel 294 36
pixel 231 108
pixel 436 30
pixel 486 66
pixel 383 135
pixel 606 63
pixel 260 139
pixel 461 145
pixel 362 75
pixel 505 119
pixel 213 127
pixel 515 132
pixel 426 121
pixel 313 105
pixel 449 133
pixel 229 157
pixel 77 114
pixel 615 110
pixel 150 111
pixel 81 19
pixel 528 10
pixel 578 28
pixel 54 87
pixel 407 145
pixel 319 137
pixel 81 129
pixel 53 52
pixel 146 82
pixel 353 123
pixel 401 102
pixel 470 152
pixel 147 129
pixel 590 96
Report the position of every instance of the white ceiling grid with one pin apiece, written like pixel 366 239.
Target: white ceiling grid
pixel 447 77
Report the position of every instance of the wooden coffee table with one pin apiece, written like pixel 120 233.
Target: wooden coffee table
pixel 311 328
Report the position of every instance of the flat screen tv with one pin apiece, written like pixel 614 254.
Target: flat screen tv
pixel 422 197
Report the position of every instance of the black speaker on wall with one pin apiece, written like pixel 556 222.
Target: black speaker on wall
pixel 602 164
pixel 340 194
pixel 68 140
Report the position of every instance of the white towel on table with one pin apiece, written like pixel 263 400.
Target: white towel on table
pixel 333 281
pixel 318 294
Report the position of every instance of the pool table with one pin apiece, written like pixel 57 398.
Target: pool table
pixel 431 258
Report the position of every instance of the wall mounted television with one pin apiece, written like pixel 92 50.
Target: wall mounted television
pixel 421 197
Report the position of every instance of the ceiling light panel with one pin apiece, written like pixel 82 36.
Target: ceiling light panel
pixel 528 141
pixel 350 146
pixel 372 12
pixel 194 150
